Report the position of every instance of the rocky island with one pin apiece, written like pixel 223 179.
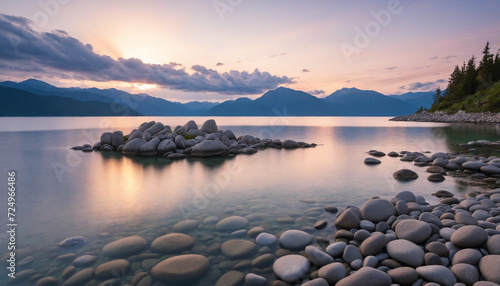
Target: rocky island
pixel 156 139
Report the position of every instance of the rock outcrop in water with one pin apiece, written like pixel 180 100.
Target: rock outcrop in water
pixel 155 139
pixel 459 117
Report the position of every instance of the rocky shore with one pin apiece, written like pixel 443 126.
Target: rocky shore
pixel 459 117
pixel 401 241
pixel 155 139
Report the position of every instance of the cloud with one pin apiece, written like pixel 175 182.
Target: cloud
pixel 316 92
pixel 56 54
pixel 348 81
pixel 306 70
pixel 391 68
pixel 219 64
pixel 433 58
pixel 422 86
pixel 449 57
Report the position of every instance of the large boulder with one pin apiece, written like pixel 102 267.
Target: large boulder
pixel 377 210
pixel 209 126
pixel 405 175
pixel 133 146
pixel 366 276
pixel 172 243
pixel 291 268
pixel 149 149
pixel 290 144
pixel 209 148
pixel 106 138
pixel 294 239
pixel 117 139
pixel 166 146
pixel 111 268
pixel 144 126
pixel 125 247
pixel 157 127
pixel 190 125
pixel 180 142
pixel 406 252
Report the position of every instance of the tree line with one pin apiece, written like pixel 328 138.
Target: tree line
pixel 468 79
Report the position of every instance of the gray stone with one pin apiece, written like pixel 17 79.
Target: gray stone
pixel 252 279
pixel 172 243
pixel 176 156
pixel 431 218
pixel 180 142
pixel 405 196
pixel 437 273
pixel 404 275
pixel 209 148
pixel 111 268
pixel 262 261
pixel 84 260
pixel 191 125
pixel 232 223
pixel 237 248
pixel 229 134
pixel 157 127
pixel 473 165
pixel 209 126
pixel 438 248
pixel 469 236
pixel 432 259
pixel 372 161
pixel 181 268
pixel 125 247
pixel 490 268
pixel 73 241
pixel 465 273
pixel 436 178
pixel 77 279
pixel 231 278
pixel 351 253
pixel 402 208
pixel 144 126
pixel 406 252
pixel 436 169
pixel 134 134
pixel 149 149
pixel 290 144
pixel 291 268
pixel 348 219
pixel 370 261
pixel 336 249
pixel 317 256
pixel 133 146
pixel 415 231
pixel 51 281
pixel 440 155
pixel 373 245
pixel 166 146
pixel 295 239
pixel 366 276
pixel 264 239
pixel 446 232
pixel 186 225
pixel 117 139
pixel 106 138
pixel 332 272
pixel 377 210
pixel 316 282
pixel 465 218
pixel 405 175
pixel 468 255
pixel 493 244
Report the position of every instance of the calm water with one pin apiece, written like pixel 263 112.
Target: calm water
pixel 63 193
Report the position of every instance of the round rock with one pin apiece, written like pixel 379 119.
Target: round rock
pixel 413 230
pixel 231 278
pixel 405 175
pixel 318 256
pixel 232 223
pixel 404 275
pixel 469 236
pixel 266 239
pixel 332 272
pixel 373 245
pixel 111 268
pixel 366 276
pixel 237 248
pixel 465 273
pixel 438 274
pixel 493 244
pixel 172 243
pixel 490 268
pixel 406 252
pixel 377 210
pixel 291 268
pixel 372 161
pixel 182 268
pixel 295 239
pixel 125 247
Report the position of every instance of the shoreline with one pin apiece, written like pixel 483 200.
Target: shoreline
pixel 443 117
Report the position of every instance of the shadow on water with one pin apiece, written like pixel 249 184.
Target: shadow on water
pixel 462 133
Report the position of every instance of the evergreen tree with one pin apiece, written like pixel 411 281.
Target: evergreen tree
pixel 486 68
pixel 496 67
pixel 469 84
pixel 437 97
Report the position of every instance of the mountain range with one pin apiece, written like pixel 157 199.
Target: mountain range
pixel 37 98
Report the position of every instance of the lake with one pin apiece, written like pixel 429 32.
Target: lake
pixel 105 196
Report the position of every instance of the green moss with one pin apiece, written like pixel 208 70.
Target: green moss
pixel 187 136
pixel 125 137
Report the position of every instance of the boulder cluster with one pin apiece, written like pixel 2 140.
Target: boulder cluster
pixel 441 116
pixel 155 139
pixel 441 164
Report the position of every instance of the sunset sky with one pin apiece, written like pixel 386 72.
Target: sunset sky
pixel 224 49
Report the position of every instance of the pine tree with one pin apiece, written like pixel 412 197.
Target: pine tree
pixel 496 67
pixel 437 97
pixel 486 68
pixel 469 84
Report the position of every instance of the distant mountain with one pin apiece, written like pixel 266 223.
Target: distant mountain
pixel 278 102
pixel 369 103
pixel 417 99
pixel 17 102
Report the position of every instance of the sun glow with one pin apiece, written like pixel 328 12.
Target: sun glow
pixel 144 86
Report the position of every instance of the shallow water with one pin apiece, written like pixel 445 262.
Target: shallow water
pixel 63 193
